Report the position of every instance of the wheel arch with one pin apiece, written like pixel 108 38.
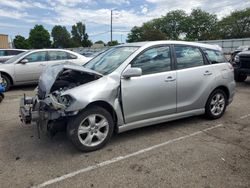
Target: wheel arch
pixel 107 107
pixel 223 88
pixel 8 75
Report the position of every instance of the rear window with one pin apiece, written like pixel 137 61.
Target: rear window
pixel 215 56
pixel 57 55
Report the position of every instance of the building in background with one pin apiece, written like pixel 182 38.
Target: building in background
pixel 4 41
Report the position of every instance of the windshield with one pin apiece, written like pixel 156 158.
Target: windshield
pixel 13 59
pixel 108 61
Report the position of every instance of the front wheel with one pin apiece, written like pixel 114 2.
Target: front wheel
pixel 216 104
pixel 91 129
pixel 6 82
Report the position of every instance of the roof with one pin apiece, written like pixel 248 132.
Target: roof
pixel 150 43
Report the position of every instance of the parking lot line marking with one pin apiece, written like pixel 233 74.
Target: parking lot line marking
pixel 245 116
pixel 116 159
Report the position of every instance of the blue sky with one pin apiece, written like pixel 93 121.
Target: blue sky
pixel 19 16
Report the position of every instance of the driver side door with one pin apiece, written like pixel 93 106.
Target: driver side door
pixel 153 94
pixel 31 71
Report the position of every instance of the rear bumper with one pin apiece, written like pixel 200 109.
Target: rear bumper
pixel 232 90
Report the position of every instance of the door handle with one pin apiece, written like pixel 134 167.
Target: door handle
pixel 42 64
pixel 207 73
pixel 169 79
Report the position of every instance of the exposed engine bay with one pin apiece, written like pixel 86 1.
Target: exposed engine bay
pixel 62 77
pixel 68 79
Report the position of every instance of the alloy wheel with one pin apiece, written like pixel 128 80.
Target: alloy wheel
pixel 217 104
pixel 93 130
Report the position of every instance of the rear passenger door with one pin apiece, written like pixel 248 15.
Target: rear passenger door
pixel 195 77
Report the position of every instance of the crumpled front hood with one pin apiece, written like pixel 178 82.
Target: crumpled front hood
pixel 49 76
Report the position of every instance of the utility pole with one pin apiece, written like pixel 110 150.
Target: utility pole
pixel 111 26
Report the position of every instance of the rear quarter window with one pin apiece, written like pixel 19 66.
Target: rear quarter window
pixel 215 56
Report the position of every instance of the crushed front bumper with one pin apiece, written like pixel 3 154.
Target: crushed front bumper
pixel 38 112
pixel 29 112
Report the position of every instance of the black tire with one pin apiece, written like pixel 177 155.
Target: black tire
pixel 208 111
pixel 240 77
pixel 75 122
pixel 6 81
pixel 1 97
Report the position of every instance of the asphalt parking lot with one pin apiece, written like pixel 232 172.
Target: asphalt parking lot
pixel 192 152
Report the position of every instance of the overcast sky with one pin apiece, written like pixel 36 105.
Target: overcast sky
pixel 19 16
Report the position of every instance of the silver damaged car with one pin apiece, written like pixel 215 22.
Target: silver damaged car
pixel 130 86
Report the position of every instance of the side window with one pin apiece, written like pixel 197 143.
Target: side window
pixel 36 57
pixel 188 56
pixel 215 56
pixel 13 52
pixel 71 56
pixel 154 60
pixel 2 53
pixel 57 55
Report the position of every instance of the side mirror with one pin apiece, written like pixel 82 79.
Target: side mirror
pixel 24 61
pixel 132 72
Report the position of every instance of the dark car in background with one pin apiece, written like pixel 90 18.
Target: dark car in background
pixel 242 66
pixel 238 50
pixel 6 54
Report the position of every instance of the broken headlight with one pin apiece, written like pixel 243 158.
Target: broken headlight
pixel 66 100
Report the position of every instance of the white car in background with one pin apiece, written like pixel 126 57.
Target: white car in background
pixel 26 68
pixel 6 54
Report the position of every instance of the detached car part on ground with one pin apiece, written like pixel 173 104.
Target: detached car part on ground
pixel 130 86
pixel 242 66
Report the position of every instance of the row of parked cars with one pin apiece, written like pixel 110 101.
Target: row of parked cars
pixel 19 67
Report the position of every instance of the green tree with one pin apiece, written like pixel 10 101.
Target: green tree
pixel 39 37
pixel 201 25
pixel 173 24
pixel 79 35
pixel 135 34
pixel 99 42
pixel 236 25
pixel 113 43
pixel 20 42
pixel 61 37
pixel 149 31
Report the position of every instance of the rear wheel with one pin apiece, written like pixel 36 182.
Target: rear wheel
pixel 240 77
pixel 6 82
pixel 216 104
pixel 91 129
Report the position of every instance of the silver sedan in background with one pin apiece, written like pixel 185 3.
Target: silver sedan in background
pixel 26 68
pixel 131 86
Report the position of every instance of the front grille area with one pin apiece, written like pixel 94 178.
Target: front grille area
pixel 245 62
